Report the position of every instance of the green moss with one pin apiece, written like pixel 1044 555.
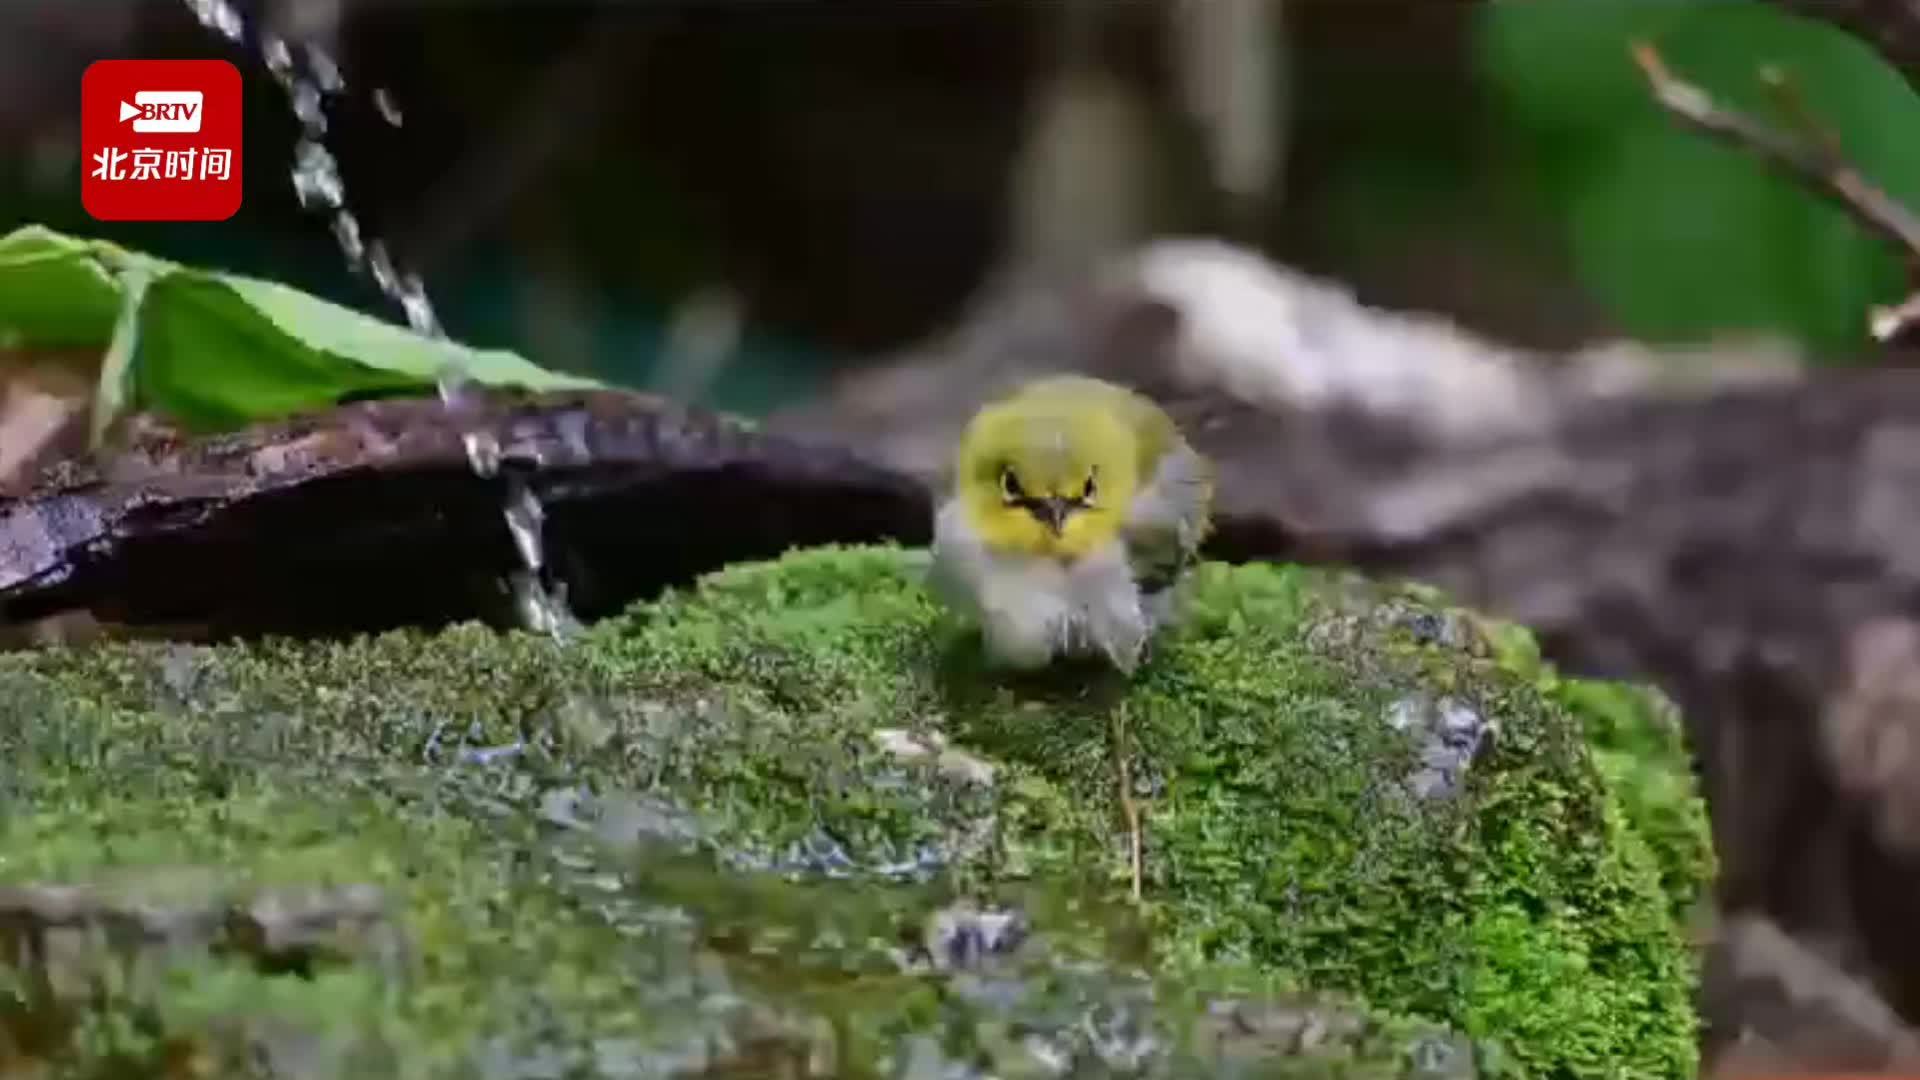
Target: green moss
pixel 1638 741
pixel 682 832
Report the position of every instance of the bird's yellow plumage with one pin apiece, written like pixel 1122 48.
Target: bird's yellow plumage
pixel 1077 506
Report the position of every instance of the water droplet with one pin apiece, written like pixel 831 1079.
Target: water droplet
pixel 317 184
pixel 306 108
pixel 346 230
pixel 316 176
pixel 524 518
pixel 326 73
pixel 220 16
pixel 380 264
pixel 279 58
pixel 540 611
pixel 389 111
pixel 702 336
pixel 452 382
pixel 413 300
pixel 483 453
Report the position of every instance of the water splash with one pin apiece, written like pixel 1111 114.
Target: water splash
pixel 702 338
pixel 326 74
pixel 390 112
pixel 310 76
pixel 346 232
pixel 316 177
pixel 218 15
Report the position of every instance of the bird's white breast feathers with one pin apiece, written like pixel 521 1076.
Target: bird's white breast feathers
pixel 1032 609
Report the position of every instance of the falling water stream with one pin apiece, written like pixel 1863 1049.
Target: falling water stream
pixel 309 76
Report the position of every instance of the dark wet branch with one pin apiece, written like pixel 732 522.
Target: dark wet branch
pixel 368 517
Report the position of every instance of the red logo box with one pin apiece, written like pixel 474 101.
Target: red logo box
pixel 160 140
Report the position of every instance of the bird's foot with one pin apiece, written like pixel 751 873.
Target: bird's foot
pixel 1127 656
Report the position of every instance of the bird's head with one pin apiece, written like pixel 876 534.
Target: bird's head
pixel 1053 482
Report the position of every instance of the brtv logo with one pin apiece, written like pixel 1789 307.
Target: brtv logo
pixel 160 140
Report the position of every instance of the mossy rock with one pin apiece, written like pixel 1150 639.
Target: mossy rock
pixel 786 824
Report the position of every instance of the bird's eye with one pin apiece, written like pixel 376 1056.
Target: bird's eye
pixel 1010 486
pixel 1091 489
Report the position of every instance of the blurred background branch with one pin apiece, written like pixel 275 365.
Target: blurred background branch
pixel 1816 159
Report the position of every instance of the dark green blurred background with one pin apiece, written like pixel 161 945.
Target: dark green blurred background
pixel 567 174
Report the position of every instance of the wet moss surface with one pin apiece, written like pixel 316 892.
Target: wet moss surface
pixel 787 825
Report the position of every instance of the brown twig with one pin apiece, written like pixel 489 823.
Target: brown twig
pixel 1793 104
pixel 1888 322
pixel 1821 165
pixel 1128 807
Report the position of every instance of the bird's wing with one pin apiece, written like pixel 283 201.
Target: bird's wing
pixel 1169 517
pixel 958 564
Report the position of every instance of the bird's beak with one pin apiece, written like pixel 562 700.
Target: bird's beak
pixel 1052 512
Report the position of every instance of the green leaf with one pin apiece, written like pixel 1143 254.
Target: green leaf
pixel 346 333
pixel 214 351
pixel 1680 236
pixel 56 293
pixel 1560 69
pixel 211 362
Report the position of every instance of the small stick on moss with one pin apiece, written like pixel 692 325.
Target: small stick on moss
pixel 1128 807
pixel 1819 164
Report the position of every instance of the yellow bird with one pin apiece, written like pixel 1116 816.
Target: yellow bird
pixel 1077 508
